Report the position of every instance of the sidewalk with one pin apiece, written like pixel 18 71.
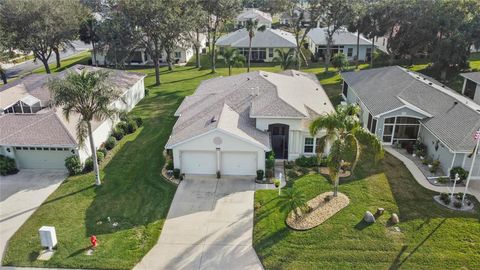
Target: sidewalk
pixel 422 180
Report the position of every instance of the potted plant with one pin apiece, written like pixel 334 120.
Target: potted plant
pixel 276 182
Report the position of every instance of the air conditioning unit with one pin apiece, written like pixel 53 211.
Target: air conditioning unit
pixel 48 237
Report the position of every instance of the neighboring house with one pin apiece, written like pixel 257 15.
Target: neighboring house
pixel 287 19
pixel 343 41
pixel 229 123
pixel 247 14
pixel 181 55
pixel 37 135
pixel 264 43
pixel 400 106
pixel 471 86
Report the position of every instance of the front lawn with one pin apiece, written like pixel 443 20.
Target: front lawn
pixel 431 236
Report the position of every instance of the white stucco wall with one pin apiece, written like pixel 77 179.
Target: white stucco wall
pixel 229 144
pixel 362 49
pixel 268 58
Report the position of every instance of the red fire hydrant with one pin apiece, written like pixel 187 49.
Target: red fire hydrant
pixel 93 240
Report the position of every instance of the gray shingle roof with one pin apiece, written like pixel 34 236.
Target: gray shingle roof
pixel 40 129
pixel 255 14
pixel 237 100
pixel 473 76
pixel 454 118
pixel 270 38
pixel 341 37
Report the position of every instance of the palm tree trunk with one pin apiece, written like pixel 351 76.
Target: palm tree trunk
pixel 249 54
pixel 94 155
pixel 57 57
pixel 358 49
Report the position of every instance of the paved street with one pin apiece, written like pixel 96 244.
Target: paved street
pixel 30 65
pixel 20 195
pixel 209 226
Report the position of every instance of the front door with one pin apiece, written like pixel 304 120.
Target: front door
pixel 279 139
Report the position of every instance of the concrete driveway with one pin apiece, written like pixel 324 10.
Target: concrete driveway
pixel 20 195
pixel 209 226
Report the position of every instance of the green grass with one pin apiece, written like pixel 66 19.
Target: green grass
pixel 431 236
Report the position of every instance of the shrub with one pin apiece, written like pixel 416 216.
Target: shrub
pixel 124 116
pixel 176 173
pixel 104 151
pixel 7 165
pixel 462 173
pixel 339 61
pixel 443 180
pixel 323 161
pixel 88 166
pixel 289 165
pixel 118 133
pixel 270 161
pixel 269 173
pixel 147 92
pixel 457 204
pixel 291 174
pixel 303 170
pixel 100 156
pixel 139 121
pixel 169 165
pixel 131 126
pixel 110 143
pixel 73 165
pixel 276 182
pixel 447 200
pixel 123 126
pixel 260 175
pixel 444 196
pixel 304 161
pixel 327 198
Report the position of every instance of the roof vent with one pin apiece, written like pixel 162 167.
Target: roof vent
pixel 213 120
pixel 316 89
pixel 455 102
pixel 430 83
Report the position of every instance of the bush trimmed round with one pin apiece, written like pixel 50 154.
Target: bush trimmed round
pixel 7 165
pixel 118 133
pixel 88 166
pixel 110 143
pixel 100 156
pixel 73 164
pixel 123 126
pixel 132 126
pixel 139 121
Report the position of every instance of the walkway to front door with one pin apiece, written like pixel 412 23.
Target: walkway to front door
pixel 209 226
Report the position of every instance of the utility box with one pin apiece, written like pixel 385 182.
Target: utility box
pixel 48 237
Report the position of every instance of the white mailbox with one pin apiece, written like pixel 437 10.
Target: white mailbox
pixel 48 237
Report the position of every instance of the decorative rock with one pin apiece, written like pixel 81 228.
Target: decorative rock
pixel 368 217
pixel 379 212
pixel 394 219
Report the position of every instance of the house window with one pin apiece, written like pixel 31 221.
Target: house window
pixel 350 52
pixel 178 54
pixel 369 53
pixel 270 52
pixel 309 145
pixel 345 89
pixel 470 89
pixel 400 129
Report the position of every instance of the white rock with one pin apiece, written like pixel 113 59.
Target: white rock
pixel 368 217
pixel 394 219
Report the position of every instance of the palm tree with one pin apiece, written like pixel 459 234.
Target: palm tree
pixel 286 58
pixel 232 57
pixel 252 27
pixel 89 95
pixel 344 132
pixel 293 200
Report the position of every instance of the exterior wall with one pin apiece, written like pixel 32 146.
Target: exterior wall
pixel 102 132
pixel 229 143
pixel 467 163
pixel 268 58
pixel 443 154
pixel 298 131
pixel 362 51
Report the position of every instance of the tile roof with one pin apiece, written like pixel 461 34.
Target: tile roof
pixel 270 38
pixel 454 118
pixel 233 103
pixel 473 76
pixel 341 37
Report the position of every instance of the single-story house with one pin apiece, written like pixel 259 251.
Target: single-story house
pixel 263 18
pixel 343 41
pixel 38 136
pixel 471 86
pixel 286 18
pixel 401 106
pixel 264 43
pixel 181 55
pixel 229 123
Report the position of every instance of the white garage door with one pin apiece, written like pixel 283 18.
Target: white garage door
pixel 41 157
pixel 198 162
pixel 239 163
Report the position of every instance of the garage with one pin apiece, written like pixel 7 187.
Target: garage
pixel 198 162
pixel 238 163
pixel 41 157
